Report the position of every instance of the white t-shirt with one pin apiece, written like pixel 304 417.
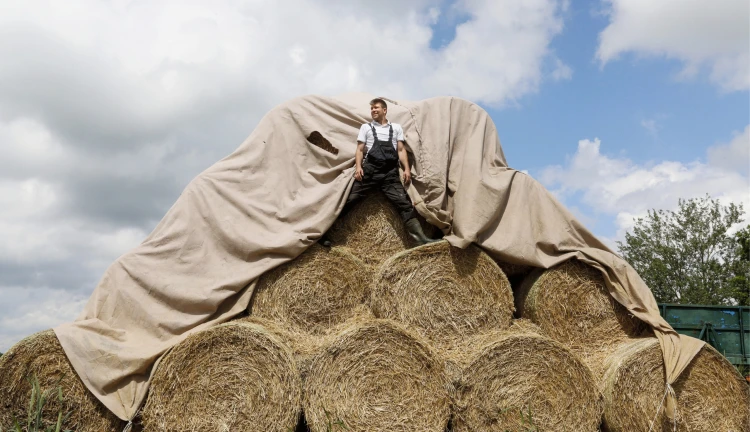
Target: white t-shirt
pixel 365 134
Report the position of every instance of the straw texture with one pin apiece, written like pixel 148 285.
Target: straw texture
pixel 372 230
pixel 519 380
pixel 41 355
pixel 711 395
pixel 304 346
pixel 571 304
pixel 442 292
pixel 376 376
pixel 233 377
pixel 318 290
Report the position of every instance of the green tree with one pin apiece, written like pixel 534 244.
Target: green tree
pixel 688 255
pixel 739 267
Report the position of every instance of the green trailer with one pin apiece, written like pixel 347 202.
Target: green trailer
pixel 726 328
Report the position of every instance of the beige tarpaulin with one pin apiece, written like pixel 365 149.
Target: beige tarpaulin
pixel 273 197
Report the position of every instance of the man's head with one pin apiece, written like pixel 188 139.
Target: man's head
pixel 378 110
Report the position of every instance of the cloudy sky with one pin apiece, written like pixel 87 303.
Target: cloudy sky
pixel 109 108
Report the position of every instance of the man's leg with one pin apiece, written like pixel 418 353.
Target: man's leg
pixel 395 192
pixel 360 189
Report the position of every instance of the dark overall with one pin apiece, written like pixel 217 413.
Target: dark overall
pixel 380 168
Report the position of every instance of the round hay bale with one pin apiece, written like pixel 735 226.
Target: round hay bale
pixel 711 394
pixel 444 293
pixel 372 230
pixel 571 304
pixel 40 355
pixel 376 376
pixel 235 376
pixel 520 380
pixel 314 292
pixel 302 346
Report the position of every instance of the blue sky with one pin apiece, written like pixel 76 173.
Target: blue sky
pixel 109 108
pixel 612 101
pixel 637 105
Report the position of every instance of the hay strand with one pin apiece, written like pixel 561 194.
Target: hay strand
pixel 711 394
pixel 235 376
pixel 314 292
pixel 372 230
pixel 444 293
pixel 376 376
pixel 42 356
pixel 303 346
pixel 572 305
pixel 520 380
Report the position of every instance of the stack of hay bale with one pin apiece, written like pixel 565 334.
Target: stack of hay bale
pixel 376 335
pixel 571 305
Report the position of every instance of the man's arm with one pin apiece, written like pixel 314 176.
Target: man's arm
pixel 404 158
pixel 359 155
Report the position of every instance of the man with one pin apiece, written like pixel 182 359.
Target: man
pixel 380 147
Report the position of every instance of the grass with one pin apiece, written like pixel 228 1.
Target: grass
pixel 37 400
pixel 527 420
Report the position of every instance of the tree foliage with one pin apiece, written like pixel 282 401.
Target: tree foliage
pixel 739 266
pixel 689 255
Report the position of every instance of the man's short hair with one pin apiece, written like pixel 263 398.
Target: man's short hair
pixel 379 101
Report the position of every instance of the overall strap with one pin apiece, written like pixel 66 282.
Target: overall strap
pixel 374 139
pixel 374 134
pixel 379 150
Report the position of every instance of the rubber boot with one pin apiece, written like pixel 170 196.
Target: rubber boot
pixel 415 231
pixel 325 241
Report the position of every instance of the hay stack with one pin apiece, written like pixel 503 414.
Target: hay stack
pixel 314 292
pixel 302 345
pixel 42 356
pixel 572 305
pixel 711 395
pixel 518 379
pixel 235 376
pixel 376 376
pixel 444 293
pixel 372 230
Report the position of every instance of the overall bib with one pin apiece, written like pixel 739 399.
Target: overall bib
pixel 380 168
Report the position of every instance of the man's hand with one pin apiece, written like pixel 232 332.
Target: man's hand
pixel 403 157
pixel 359 173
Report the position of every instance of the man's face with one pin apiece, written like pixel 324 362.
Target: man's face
pixel 377 112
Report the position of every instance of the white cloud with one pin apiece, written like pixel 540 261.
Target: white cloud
pixel 26 311
pixel 490 54
pixel 698 33
pixel 433 14
pixel 108 109
pixel 651 127
pixel 734 155
pixel 561 71
pixel 620 187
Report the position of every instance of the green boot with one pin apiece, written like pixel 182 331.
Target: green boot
pixel 325 241
pixel 415 231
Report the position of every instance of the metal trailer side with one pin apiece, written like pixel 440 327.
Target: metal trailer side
pixel 726 328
